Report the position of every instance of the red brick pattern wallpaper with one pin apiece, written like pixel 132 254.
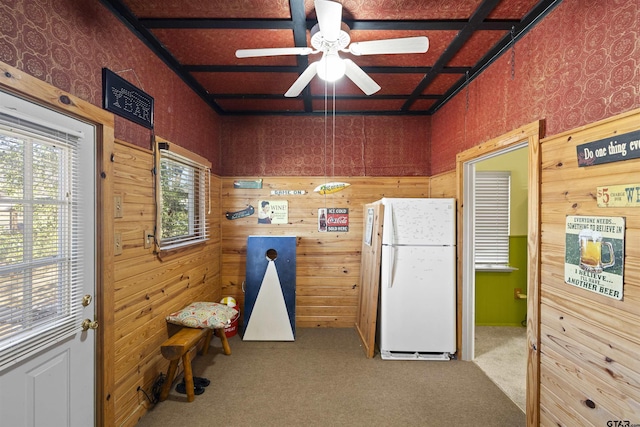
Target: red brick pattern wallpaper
pixel 67 43
pixel 579 65
pixel 299 146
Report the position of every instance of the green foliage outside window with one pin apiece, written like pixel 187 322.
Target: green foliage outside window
pixel 177 182
pixel 33 202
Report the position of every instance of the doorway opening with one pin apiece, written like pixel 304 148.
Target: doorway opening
pixel 499 211
pixel 526 136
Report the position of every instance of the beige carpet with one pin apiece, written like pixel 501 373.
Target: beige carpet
pixel 501 352
pixel 324 379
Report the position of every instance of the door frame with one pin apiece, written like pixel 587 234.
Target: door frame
pixel 531 135
pixel 26 86
pixel 468 239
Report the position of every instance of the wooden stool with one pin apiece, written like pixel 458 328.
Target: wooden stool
pixel 179 346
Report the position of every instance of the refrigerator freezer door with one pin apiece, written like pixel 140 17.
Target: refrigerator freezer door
pixel 418 309
pixel 419 222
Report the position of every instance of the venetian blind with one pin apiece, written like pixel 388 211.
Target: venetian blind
pixel 491 205
pixel 183 194
pixel 41 254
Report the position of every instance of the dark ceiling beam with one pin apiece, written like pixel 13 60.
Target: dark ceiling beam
pixel 241 68
pixel 461 38
pixel 536 14
pixel 321 113
pixel 286 24
pixel 427 25
pixel 299 20
pixel 130 21
pixel 338 97
pixel 296 68
pixel 205 23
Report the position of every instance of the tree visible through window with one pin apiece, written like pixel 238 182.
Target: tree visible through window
pixel 183 200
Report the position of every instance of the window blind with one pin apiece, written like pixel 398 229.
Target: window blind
pixel 183 189
pixel 40 252
pixel 491 217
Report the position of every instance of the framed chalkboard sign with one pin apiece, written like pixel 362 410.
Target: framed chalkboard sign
pixel 124 99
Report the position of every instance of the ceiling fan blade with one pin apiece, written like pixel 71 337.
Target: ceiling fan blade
pixel 390 46
pixel 276 51
pixel 302 81
pixel 329 18
pixel 360 78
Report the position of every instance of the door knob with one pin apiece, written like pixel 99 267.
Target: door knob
pixel 88 324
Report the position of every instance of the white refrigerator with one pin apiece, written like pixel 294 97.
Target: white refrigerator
pixel 418 279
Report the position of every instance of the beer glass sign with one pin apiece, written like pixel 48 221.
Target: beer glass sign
pixel 591 245
pixel 594 254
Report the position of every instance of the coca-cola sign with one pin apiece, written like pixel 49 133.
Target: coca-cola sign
pixel 337 220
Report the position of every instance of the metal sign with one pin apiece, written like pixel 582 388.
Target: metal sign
pixel 124 99
pixel 619 196
pixel 608 150
pixel 594 254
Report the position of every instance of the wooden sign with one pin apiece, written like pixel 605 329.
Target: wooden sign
pixel 124 99
pixel 614 149
pixel 594 254
pixel 288 192
pixel 619 196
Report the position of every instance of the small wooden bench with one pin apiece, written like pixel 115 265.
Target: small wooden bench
pixel 178 346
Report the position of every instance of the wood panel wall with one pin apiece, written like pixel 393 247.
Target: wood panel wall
pixel 589 369
pixel 146 288
pixel 443 185
pixel 328 264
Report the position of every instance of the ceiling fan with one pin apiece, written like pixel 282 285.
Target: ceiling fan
pixel 330 36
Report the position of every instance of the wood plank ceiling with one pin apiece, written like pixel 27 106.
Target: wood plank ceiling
pixel 198 39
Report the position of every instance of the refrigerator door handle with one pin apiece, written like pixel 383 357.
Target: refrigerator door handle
pixel 392 235
pixel 392 265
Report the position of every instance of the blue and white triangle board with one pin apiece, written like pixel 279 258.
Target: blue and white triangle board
pixel 269 319
pixel 269 306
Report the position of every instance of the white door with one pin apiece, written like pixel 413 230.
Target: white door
pixel 47 266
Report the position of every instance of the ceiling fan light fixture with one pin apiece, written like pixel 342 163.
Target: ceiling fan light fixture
pixel 331 67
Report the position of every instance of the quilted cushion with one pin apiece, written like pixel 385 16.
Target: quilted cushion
pixel 203 315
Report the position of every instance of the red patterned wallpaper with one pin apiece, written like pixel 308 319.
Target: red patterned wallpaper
pixel 67 43
pixel 289 146
pixel 579 65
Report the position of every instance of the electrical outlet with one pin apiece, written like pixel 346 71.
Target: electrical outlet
pixel 148 238
pixel 117 207
pixel 117 242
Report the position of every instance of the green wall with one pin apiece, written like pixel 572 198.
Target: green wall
pixel 495 302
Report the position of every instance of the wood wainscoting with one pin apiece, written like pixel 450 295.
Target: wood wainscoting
pixel 146 288
pixel 589 370
pixel 328 263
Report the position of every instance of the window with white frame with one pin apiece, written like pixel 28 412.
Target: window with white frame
pixel 491 219
pixel 183 197
pixel 41 254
